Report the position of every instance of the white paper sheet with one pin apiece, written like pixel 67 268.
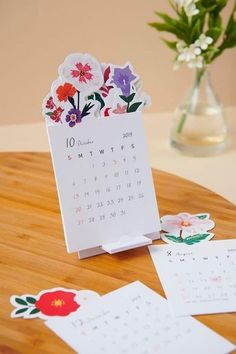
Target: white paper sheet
pixel 198 279
pixel 135 319
pixel 104 180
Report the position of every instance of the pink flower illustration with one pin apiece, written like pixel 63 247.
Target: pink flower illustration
pixel 83 71
pixel 56 115
pixel 185 224
pixel 50 104
pixel 120 109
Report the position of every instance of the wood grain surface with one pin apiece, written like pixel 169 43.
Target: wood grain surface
pixel 34 257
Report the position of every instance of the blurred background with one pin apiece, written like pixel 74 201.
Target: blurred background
pixel 36 35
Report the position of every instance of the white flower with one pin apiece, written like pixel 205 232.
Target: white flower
pixel 196 62
pixel 189 7
pixel 180 46
pixel 83 71
pixel 188 53
pixel 203 41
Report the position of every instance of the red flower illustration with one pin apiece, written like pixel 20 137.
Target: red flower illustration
pixel 50 104
pixel 57 303
pixel 56 115
pixel 65 91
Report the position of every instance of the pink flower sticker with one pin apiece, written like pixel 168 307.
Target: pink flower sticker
pixel 186 228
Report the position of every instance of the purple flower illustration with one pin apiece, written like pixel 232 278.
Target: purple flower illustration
pixel 73 117
pixel 122 78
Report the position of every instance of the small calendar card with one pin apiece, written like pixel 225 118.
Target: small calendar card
pixel 94 121
pixel 200 279
pixel 135 319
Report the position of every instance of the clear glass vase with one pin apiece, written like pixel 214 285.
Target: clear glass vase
pixel 199 126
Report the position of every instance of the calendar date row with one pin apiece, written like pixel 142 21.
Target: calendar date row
pixel 108 203
pixel 101 217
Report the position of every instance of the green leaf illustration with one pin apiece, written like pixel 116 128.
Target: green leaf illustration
pixel 34 311
pixel 30 300
pixel 21 310
pixel 202 216
pixel 174 238
pixel 49 114
pixel 134 107
pixel 127 99
pixel 99 99
pixel 20 301
pixel 190 240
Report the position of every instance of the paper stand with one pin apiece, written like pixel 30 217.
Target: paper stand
pixel 125 243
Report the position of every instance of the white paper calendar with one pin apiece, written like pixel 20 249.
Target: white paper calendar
pixel 104 181
pixel 198 279
pixel 135 319
pixel 94 122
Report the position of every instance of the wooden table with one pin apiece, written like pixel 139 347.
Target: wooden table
pixel 34 257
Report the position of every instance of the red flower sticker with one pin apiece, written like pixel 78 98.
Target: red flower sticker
pixel 57 303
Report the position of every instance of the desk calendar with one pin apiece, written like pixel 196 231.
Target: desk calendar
pixel 135 319
pixel 198 279
pixel 99 153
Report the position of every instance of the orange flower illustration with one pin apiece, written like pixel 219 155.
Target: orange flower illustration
pixel 65 91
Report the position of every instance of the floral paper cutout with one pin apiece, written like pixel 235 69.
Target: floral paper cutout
pixel 186 228
pixel 87 88
pixel 53 302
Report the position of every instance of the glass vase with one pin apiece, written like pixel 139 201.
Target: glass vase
pixel 199 127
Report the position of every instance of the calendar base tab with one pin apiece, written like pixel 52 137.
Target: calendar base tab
pixel 126 243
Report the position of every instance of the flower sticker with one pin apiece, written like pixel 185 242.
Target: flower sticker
pixel 83 71
pixel 186 228
pixel 86 87
pixel 53 302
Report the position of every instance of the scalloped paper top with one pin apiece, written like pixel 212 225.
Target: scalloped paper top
pixel 86 88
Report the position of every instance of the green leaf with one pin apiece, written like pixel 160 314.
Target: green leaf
pixel 202 216
pixel 196 30
pixel 20 301
pixel 86 109
pixel 170 44
pixel 99 99
pixel 174 238
pixel 49 114
pixel 21 310
pixel 167 19
pixel 214 33
pixel 134 107
pixel 190 240
pixel 127 99
pixel 163 27
pixel 34 311
pixel 91 97
pixel 72 101
pixel 30 300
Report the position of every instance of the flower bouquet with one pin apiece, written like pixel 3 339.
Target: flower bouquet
pixel 200 37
